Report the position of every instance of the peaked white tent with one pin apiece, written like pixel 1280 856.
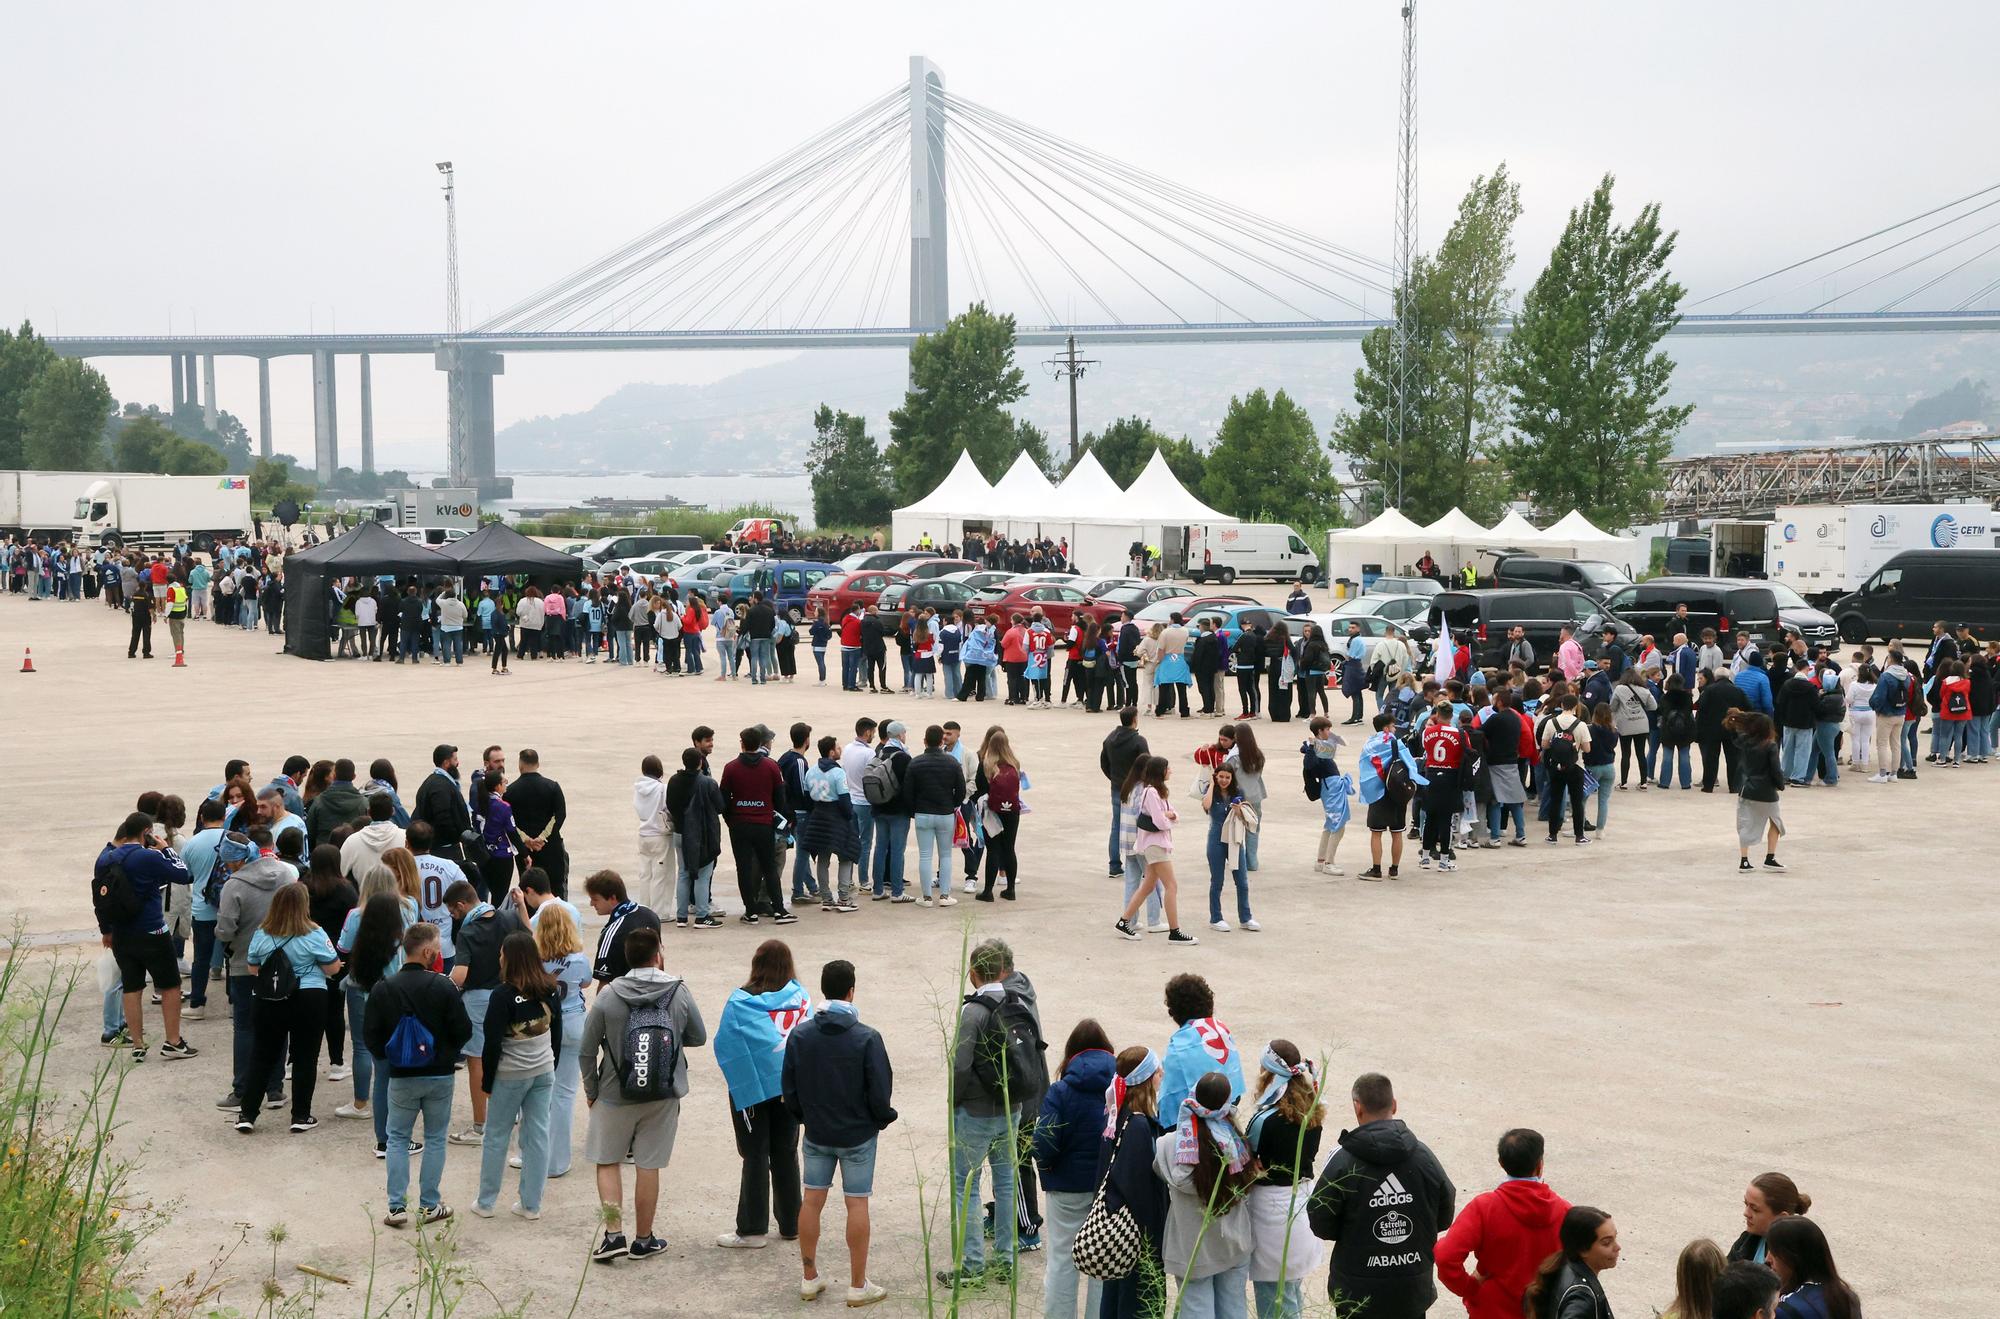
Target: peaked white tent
pixel 1514 529
pixel 1157 497
pixel 1579 530
pixel 1456 528
pixel 1383 546
pixel 962 494
pixel 1088 492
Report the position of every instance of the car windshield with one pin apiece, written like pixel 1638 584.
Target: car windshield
pixel 1786 596
pixel 1360 604
pixel 830 582
pixel 1602 574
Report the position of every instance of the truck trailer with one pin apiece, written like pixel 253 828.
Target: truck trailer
pixel 155 512
pixel 1824 551
pixel 41 504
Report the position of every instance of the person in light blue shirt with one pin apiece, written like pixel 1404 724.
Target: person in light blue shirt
pixel 298 1020
pixel 198 854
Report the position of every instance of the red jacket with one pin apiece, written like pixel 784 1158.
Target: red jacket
pixel 1512 1229
pixel 850 632
pixel 752 788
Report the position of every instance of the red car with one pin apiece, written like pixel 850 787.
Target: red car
pixel 1059 604
pixel 840 592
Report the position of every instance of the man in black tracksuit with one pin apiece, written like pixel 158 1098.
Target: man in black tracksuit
pixel 1382 1199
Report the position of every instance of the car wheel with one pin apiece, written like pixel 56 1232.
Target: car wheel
pixel 1229 577
pixel 1308 575
pixel 1853 629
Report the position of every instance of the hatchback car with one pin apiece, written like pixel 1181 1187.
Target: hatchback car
pixel 979 580
pixel 1397 609
pixel 881 560
pixel 934 593
pixel 1162 611
pixel 1231 617
pixel 840 592
pixel 1061 605
pixel 1134 596
pixel 923 568
pixel 1404 586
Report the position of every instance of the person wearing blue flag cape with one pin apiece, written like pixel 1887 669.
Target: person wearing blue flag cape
pixel 1200 1045
pixel 750 1047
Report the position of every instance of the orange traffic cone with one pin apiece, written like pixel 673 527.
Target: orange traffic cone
pixel 27 659
pixel 180 660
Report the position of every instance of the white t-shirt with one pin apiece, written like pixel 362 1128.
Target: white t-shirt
pixel 854 758
pixel 435 874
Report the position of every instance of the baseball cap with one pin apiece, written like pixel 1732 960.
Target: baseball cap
pixel 764 733
pixel 1590 664
pixel 442 752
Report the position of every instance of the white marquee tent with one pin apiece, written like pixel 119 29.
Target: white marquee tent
pixel 1391 544
pixel 962 494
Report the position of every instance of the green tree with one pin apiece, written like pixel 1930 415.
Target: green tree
pixel 24 355
pixel 148 445
pixel 1268 464
pixel 849 484
pixel 1127 445
pixel 274 479
pixel 62 418
pixel 1586 381
pixel 962 380
pixel 1457 403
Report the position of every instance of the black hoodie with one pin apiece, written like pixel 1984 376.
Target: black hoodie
pixel 1382 1199
pixel 1121 747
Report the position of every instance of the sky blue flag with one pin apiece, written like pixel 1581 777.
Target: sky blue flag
pixel 1201 1046
pixel 750 1042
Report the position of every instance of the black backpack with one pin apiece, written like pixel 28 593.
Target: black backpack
pixel 112 896
pixel 652 1051
pixel 1011 1038
pixel 276 980
pixel 1560 755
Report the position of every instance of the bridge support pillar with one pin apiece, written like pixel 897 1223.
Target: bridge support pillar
pixel 208 391
pixel 930 299
pixel 263 407
pixel 367 416
pixel 180 385
pixel 326 421
pixel 469 376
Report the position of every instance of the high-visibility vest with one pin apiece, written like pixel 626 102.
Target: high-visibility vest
pixel 177 601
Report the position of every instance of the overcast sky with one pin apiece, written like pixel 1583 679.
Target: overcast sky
pixel 268 168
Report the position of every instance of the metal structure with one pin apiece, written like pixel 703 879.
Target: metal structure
pixel 457 387
pixel 1890 472
pixel 930 290
pixel 1402 369
pixel 1067 365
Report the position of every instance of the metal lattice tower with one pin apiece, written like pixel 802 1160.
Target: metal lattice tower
pixel 458 447
pixel 451 310
pixel 1402 370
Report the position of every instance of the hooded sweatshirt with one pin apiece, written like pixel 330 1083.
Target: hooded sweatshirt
pixel 602 1049
pixel 1511 1229
pixel 1382 1199
pixel 246 898
pixel 341 802
pixel 649 803
pixel 363 850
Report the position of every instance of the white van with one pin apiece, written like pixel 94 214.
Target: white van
pixel 430 537
pixel 1225 551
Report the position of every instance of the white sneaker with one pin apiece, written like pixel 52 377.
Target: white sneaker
pixel 483 1211
pixel 519 1211
pixel 1447 864
pixel 730 1241
pixel 513 1160
pixel 1220 927
pixel 810 1288
pixel 1252 926
pixel 947 901
pixel 472 1135
pixel 349 1110
pixel 923 902
pixel 866 1294
pixel 972 886
pixel 340 1073
pixel 1158 927
pixel 1334 870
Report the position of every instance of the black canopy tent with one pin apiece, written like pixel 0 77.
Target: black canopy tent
pixel 497 548
pixel 370 550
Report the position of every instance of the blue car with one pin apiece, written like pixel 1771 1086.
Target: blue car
pixel 783 582
pixel 1231 616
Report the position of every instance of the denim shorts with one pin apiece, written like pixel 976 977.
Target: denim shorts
pixel 857 1167
pixel 475 1007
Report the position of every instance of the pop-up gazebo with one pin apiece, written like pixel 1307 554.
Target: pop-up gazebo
pixel 370 550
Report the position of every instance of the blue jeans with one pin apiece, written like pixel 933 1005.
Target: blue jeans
pixel 1604 774
pixel 562 1105
pixel 934 855
pixel 819 658
pixel 950 669
pixel 622 639
pixel 1218 858
pixel 1496 819
pixel 976 1142
pixel 864 816
pixel 1910 727
pixel 802 880
pixel 1135 875
pixel 1953 745
pixel 693 889
pixel 114 1010
pixel 691 651
pixel 1980 733
pixel 892 838
pixel 763 659
pixel 1798 754
pixel 1060 1282
pixel 524 1099
pixel 406 643
pixel 1275 1302
pixel 1668 756
pixel 854 1163
pixel 850 668
pixel 725 656
pixel 1825 734
pixel 1111 843
pixel 410 1096
pixel 1218 1296
pixel 204 954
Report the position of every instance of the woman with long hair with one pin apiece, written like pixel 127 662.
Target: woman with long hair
pixel 1695 1272
pixel 372 943
pixel 560 944
pixel 1068 1138
pixel 1632 701
pixel 750 1047
pixel 296 1021
pixel 333 897
pixel 1283 1134
pixel 1280 672
pixel 401 863
pixel 1154 843
pixel 1810 1286
pixel 382 778
pixel 1757 814
pixel 1315 662
pixel 494 819
pixel 1000 771
pixel 317 780
pixel 1130 1128
pixel 1208 1170
pixel 1229 825
pixel 1247 759
pixel 524 1037
pixel 1566 1286
pixel 1769 1197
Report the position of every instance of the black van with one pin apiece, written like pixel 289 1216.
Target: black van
pixel 1593 577
pixel 1727 604
pixel 640 546
pixel 1919 587
pixel 1486 616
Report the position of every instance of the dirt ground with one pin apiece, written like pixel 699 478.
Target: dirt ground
pixel 1671 1028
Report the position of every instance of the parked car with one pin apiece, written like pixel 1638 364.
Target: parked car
pixel 933 593
pixel 711 579
pixel 881 560
pixel 1137 595
pixel 922 568
pixel 1425 586
pixel 1096 586
pixel 1059 604
pixel 979 579
pixel 1231 615
pixel 1487 615
pixel 1416 634
pixel 638 546
pixel 651 569
pixel 1398 609
pixel 1593 577
pixel 1728 604
pixel 839 592
pixel 1916 588
pixel 783 582
pixel 1045 579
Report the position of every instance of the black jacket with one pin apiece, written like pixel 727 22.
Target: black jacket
pixel 1205 655
pixel 694 800
pixel 1763 770
pixel 1797 703
pixel 844 1100
pixel 1503 737
pixel 1713 705
pixel 1121 747
pixel 537 801
pixel 510 1012
pixel 1574 1293
pixel 476 947
pixel 1247 656
pixel 432 1000
pixel 442 806
pixel 933 784
pixel 759 621
pixel 1382 1199
pixel 1677 723
pixel 610 962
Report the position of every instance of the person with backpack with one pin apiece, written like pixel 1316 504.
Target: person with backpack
pixel 1283 1136
pixel 1953 699
pixel 1389 777
pixel 836 1083
pixel 634 1077
pixel 481 928
pixel 129 887
pixel 882 786
pixel 1829 713
pixel 1382 1199
pixel 1889 703
pixel 1564 737
pixel 289 959
pixel 254 877
pixel 523 1035
pixel 417 1024
pixel 1676 731
pixel 750 1048
pixel 997 1070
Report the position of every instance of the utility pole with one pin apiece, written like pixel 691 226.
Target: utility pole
pixel 451 312
pixel 457 445
pixel 1070 365
pixel 1402 369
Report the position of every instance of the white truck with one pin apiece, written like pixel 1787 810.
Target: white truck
pixel 456 506
pixel 123 508
pixel 1824 551
pixel 41 504
pixel 1225 551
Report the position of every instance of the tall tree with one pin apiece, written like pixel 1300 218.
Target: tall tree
pixel 1127 445
pixel 62 418
pixel 1457 402
pixel 24 355
pixel 145 444
pixel 1586 381
pixel 850 487
pixel 962 380
pixel 275 479
pixel 1269 465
